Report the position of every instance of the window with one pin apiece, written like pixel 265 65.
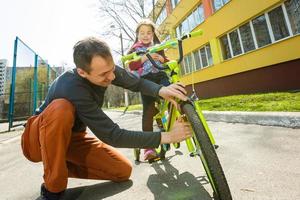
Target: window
pixel 178 31
pixel 261 31
pixel 182 69
pixel 199 14
pixel 235 43
pixel 162 16
pixel 279 26
pixel 184 65
pixel 193 20
pixel 174 3
pixel 247 37
pixel 209 56
pixel 293 10
pixel 225 47
pixel 197 60
pixel 192 23
pixel 189 67
pixel 203 57
pixel 217 4
pixel 184 27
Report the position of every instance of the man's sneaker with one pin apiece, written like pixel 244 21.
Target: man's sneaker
pixel 47 195
pixel 149 154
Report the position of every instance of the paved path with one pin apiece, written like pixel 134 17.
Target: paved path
pixel 260 163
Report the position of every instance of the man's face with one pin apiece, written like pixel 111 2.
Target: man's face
pixel 102 72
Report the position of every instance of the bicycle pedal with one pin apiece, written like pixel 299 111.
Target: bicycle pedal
pixel 192 154
pixel 162 158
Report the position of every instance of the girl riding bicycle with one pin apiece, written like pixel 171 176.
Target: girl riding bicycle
pixel 146 37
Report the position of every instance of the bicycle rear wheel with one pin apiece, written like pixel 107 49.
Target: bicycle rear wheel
pixel 207 154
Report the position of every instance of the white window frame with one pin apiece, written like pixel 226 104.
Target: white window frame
pixel 230 46
pixel 208 44
pixel 230 42
pixel 201 62
pixel 287 20
pixel 193 63
pixel 206 55
pixel 240 39
pixel 270 30
pixel 253 34
pixel 197 52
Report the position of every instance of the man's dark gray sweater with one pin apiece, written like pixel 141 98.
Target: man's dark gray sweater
pixel 87 99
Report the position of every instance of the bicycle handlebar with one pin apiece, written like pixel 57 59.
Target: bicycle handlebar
pixel 196 33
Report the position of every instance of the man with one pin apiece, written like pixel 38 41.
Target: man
pixel 57 136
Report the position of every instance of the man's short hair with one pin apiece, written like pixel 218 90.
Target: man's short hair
pixel 86 49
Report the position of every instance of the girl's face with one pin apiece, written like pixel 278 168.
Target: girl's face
pixel 145 34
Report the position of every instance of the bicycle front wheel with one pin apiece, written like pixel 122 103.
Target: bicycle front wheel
pixel 207 154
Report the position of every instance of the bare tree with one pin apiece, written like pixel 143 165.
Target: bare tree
pixel 122 16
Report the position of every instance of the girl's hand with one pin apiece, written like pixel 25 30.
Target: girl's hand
pixel 155 56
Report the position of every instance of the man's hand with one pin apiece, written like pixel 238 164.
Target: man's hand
pixel 173 91
pixel 180 131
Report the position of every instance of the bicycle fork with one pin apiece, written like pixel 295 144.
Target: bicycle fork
pixel 192 145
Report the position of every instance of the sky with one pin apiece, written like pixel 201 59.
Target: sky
pixel 49 27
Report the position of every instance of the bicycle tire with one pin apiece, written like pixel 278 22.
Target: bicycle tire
pixel 213 166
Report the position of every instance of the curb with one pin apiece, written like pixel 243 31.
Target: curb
pixel 281 119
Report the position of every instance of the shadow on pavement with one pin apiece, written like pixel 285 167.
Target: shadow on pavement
pixel 167 183
pixel 97 191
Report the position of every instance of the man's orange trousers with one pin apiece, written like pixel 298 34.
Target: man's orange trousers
pixel 48 137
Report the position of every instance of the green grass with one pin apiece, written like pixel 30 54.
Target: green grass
pixel 279 101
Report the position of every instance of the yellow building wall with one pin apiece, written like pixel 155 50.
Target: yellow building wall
pixel 279 52
pixel 229 17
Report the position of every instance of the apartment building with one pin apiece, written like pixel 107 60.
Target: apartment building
pixel 247 46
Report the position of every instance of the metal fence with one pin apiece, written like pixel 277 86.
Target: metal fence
pixel 27 83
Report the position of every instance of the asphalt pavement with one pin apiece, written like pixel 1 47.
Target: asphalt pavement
pixel 260 163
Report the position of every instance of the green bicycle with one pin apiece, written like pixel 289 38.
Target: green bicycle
pixel 202 143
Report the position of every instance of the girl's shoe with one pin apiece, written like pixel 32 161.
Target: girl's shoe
pixel 149 154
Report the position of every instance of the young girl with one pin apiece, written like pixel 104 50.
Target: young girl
pixel 146 37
